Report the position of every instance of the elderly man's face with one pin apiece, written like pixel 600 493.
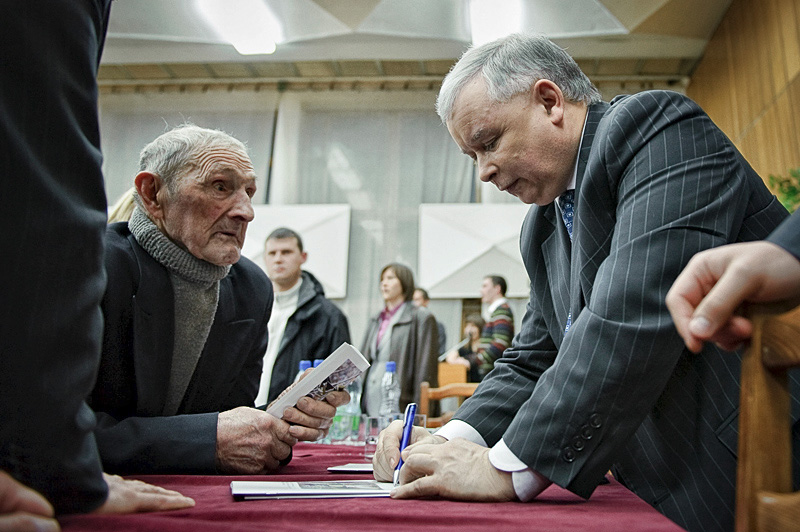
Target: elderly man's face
pixel 209 213
pixel 515 144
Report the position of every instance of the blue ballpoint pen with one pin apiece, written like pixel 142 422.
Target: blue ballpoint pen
pixel 408 424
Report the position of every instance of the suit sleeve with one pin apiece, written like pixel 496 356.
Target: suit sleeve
pixel 787 235
pixel 53 223
pixel 184 444
pixel 510 384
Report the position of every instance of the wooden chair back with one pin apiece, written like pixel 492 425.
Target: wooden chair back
pixel 428 394
pixel 451 373
pixel 764 468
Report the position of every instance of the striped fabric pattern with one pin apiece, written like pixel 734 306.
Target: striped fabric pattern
pixel 496 336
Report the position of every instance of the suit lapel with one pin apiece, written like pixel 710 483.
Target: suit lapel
pixel 555 252
pixel 586 232
pixel 227 346
pixel 154 318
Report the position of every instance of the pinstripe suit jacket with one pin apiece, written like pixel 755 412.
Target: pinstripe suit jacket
pixel 656 183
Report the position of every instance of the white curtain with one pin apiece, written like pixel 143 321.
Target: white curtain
pixel 130 121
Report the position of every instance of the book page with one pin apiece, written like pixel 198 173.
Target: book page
pixel 342 367
pixel 313 489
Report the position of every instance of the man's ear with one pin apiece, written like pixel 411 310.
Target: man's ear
pixel 549 95
pixel 148 185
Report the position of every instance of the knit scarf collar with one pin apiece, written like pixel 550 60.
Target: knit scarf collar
pixel 176 259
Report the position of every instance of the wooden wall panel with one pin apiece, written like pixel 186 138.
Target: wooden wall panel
pixel 749 82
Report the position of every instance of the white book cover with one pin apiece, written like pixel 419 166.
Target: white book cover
pixel 244 490
pixel 352 468
pixel 342 367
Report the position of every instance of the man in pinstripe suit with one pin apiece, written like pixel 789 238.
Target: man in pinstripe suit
pixel 597 377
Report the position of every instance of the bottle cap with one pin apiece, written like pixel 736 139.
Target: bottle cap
pixel 317 362
pixel 391 366
pixel 305 364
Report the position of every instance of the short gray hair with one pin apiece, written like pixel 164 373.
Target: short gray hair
pixel 512 65
pixel 175 153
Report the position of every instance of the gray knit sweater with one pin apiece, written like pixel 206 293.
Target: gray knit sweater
pixel 195 284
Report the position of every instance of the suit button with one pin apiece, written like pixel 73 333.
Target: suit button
pixel 586 432
pixel 577 443
pixel 568 455
pixel 596 421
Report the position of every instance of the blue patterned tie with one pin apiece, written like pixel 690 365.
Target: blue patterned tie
pixel 566 201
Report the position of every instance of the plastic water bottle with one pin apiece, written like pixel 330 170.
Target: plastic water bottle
pixel 390 393
pixel 304 365
pixel 348 417
pixel 353 408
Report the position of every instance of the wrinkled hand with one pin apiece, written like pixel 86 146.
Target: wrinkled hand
pixel 457 469
pixel 132 496
pixel 312 419
pixel 23 509
pixel 387 452
pixel 250 441
pixel 704 297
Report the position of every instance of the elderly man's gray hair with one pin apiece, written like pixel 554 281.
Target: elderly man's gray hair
pixel 173 154
pixel 512 65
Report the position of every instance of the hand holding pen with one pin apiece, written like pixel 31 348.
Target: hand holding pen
pixel 408 425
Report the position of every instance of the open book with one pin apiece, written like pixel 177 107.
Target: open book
pixel 244 490
pixel 342 367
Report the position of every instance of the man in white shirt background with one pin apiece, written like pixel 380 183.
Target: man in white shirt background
pixel 304 324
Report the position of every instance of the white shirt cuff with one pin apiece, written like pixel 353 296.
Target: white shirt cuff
pixel 527 482
pixel 456 428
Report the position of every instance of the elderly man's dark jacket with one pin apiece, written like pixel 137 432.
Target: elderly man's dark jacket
pixel 133 436
pixel 315 330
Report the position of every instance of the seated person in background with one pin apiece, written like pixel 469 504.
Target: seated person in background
pixel 403 333
pixel 422 299
pixel 467 355
pixel 186 322
pixel 303 325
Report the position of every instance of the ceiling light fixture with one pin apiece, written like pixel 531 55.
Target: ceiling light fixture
pixel 249 25
pixel 490 20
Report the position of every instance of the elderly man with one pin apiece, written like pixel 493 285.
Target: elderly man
pixel 186 322
pixel 597 377
pixel 304 325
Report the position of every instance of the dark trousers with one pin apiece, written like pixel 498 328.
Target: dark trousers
pixel 53 213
